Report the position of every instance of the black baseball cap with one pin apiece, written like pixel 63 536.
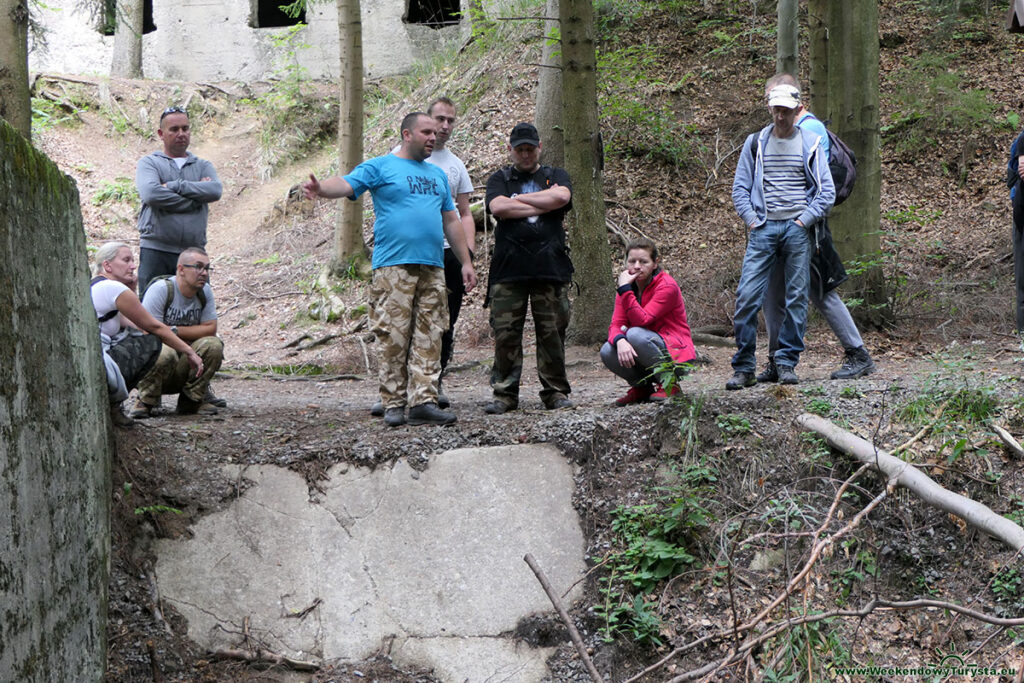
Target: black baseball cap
pixel 524 134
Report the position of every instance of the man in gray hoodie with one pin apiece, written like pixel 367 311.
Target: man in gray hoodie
pixel 175 187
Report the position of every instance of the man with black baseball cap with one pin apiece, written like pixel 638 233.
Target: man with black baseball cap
pixel 530 265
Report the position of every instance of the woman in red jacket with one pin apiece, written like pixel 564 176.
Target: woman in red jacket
pixel 648 325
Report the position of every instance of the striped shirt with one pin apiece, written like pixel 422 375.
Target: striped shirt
pixel 785 186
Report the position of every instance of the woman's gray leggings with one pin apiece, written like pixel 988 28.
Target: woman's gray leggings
pixel 650 352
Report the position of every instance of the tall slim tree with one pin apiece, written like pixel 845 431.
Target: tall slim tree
pixel 348 232
pixel 15 99
pixel 584 160
pixel 844 89
pixel 787 51
pixel 127 59
pixel 548 116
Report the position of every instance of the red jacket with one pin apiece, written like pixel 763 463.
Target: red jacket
pixel 660 309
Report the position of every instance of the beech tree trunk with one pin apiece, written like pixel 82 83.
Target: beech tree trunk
pixel 787 46
pixel 549 91
pixel 348 232
pixel 584 160
pixel 15 100
pixel 127 59
pixel 844 88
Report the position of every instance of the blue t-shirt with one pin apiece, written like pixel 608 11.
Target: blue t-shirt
pixel 408 198
pixel 811 122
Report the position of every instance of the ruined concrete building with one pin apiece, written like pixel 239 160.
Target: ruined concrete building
pixel 210 40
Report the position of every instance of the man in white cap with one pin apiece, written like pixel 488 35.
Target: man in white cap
pixel 781 189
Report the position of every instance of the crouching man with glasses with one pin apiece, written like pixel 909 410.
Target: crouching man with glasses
pixel 184 302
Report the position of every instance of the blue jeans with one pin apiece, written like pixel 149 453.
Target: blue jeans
pixel 831 307
pixel 788 245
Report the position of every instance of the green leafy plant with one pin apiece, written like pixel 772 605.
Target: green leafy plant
pixel 120 189
pixel 157 510
pixel 804 650
pixel 930 99
pixel 820 406
pixel 733 425
pixel 47 114
pixel 846 579
pixel 655 541
pixel 851 392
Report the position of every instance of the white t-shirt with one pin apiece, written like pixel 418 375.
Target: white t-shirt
pixel 104 300
pixel 458 177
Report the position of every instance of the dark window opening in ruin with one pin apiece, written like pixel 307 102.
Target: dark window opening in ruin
pixel 275 13
pixel 433 13
pixel 108 19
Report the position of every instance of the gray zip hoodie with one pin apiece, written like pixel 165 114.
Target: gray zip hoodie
pixel 174 201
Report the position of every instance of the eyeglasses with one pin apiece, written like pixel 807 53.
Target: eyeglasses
pixel 199 267
pixel 173 110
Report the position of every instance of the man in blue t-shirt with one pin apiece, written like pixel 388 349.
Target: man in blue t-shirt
pixel 827 273
pixel 414 213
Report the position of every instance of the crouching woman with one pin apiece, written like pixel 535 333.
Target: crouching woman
pixel 128 354
pixel 648 326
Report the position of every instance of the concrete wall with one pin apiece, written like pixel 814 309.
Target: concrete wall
pixel 199 40
pixel 55 440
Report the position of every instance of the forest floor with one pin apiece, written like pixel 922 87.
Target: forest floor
pixel 725 476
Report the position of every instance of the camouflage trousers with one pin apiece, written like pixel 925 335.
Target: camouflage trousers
pixel 549 303
pixel 173 375
pixel 409 313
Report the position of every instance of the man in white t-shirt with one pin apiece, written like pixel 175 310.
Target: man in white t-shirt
pixel 185 303
pixel 442 110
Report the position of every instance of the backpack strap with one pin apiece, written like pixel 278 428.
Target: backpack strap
pixel 109 314
pixel 201 295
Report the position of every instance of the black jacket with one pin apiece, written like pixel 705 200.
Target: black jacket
pixel 529 248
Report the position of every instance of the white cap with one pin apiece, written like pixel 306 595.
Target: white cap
pixel 784 96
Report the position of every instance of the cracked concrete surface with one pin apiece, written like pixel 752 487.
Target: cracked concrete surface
pixel 430 562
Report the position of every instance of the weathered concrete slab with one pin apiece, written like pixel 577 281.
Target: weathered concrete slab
pixel 431 560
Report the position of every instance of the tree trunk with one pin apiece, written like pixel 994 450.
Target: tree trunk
pixel 549 92
pixel 348 232
pixel 15 100
pixel 787 50
pixel 817 52
pixel 127 60
pixel 584 161
pixel 845 91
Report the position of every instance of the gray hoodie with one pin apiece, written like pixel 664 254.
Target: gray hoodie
pixel 174 201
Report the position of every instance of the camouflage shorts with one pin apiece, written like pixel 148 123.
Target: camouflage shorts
pixel 409 313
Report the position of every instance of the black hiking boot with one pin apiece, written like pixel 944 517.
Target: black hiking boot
pixel 430 414
pixel 770 374
pixel 741 380
pixel 856 363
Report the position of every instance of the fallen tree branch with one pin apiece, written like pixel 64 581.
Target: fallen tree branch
pixel 903 474
pixel 1008 439
pixel 265 657
pixel 924 430
pixel 573 633
pixel 712 340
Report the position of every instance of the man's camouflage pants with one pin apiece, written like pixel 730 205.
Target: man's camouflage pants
pixel 409 313
pixel 173 375
pixel 549 303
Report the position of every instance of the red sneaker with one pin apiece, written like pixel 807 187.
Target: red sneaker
pixel 640 394
pixel 662 395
